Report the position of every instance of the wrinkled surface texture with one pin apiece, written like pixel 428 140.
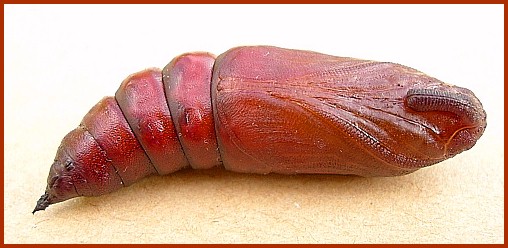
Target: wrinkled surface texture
pixel 265 110
pixel 289 111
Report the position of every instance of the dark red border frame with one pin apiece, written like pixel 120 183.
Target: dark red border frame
pixel 2 20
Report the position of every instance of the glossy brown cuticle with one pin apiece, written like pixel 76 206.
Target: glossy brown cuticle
pixel 265 109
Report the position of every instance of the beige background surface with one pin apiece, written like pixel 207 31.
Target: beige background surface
pixel 60 60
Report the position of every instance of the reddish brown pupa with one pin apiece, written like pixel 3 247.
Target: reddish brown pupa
pixel 265 110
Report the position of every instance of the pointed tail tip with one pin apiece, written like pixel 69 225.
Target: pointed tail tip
pixel 42 203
